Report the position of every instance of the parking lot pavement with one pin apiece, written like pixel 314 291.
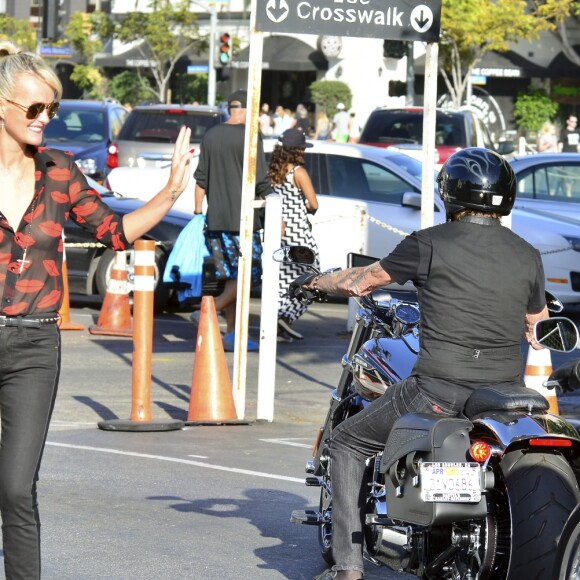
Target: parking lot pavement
pixel 203 502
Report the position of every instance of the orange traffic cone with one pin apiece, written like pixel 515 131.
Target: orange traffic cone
pixel 65 320
pixel 115 315
pixel 538 369
pixel 212 400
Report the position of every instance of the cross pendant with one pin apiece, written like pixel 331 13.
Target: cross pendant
pixel 23 261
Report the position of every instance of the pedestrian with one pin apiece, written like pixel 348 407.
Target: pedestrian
pixel 301 120
pixel 465 267
pixel 219 178
pixel 291 182
pixel 39 189
pixel 340 123
pixel 265 120
pixel 548 140
pixel 353 128
pixel 322 132
pixel 279 120
pixel 570 136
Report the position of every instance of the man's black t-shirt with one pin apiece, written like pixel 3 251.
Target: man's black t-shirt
pixel 570 140
pixel 476 283
pixel 220 171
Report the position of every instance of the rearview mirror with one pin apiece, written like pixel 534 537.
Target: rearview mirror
pixel 558 334
pixel 505 147
pixel 294 255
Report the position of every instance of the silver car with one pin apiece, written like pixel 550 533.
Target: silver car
pixel 148 135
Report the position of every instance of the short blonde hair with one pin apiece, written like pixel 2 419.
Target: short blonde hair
pixel 14 62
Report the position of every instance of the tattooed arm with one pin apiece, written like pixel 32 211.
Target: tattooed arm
pixel 352 281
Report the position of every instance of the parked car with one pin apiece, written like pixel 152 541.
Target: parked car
pixel 403 129
pixel 549 182
pixel 87 129
pixel 149 133
pixel 89 264
pixel 370 197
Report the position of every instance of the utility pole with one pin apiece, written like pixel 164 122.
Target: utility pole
pixel 211 78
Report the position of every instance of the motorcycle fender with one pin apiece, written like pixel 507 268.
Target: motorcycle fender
pixel 515 427
pixel 417 437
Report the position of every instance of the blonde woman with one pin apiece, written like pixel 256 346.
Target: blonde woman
pixel 322 126
pixel 548 140
pixel 39 189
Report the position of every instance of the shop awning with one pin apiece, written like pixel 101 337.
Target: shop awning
pixel 285 53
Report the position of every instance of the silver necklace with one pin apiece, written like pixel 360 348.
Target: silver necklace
pixel 23 261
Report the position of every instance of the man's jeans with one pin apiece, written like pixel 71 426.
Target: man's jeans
pixel 353 441
pixel 29 369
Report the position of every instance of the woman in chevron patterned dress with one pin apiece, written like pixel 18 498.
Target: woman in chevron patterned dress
pixel 292 183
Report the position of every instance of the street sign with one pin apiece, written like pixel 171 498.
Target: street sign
pixel 50 50
pixel 197 68
pixel 387 19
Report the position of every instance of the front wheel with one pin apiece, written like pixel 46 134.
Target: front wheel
pixel 325 509
pixel 542 492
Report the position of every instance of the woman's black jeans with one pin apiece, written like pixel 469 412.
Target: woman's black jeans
pixel 29 370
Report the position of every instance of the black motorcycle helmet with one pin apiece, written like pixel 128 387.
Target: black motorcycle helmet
pixel 479 179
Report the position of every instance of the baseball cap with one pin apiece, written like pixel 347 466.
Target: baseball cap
pixel 340 106
pixel 293 138
pixel 241 96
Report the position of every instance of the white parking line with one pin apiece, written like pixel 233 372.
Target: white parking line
pixel 291 442
pixel 177 460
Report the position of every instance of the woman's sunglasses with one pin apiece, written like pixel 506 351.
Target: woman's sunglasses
pixel 34 110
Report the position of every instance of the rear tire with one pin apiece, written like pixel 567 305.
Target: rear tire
pixel 568 555
pixel 542 492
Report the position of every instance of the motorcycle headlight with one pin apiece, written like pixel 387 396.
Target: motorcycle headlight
pixel 87 166
pixel 574 242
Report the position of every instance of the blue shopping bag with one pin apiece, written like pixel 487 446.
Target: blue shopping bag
pixel 185 263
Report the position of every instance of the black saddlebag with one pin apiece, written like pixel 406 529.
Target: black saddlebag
pixel 419 437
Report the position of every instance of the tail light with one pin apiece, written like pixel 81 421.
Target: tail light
pixel 113 156
pixel 480 451
pixel 550 442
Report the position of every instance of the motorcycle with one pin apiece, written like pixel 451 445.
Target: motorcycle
pixel 483 495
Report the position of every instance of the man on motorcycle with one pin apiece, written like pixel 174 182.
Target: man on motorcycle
pixel 480 286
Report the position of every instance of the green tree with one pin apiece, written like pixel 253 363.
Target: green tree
pixel 533 108
pixel 164 36
pixel 20 32
pixel 86 33
pixel 128 87
pixel 470 28
pixel 573 21
pixel 327 94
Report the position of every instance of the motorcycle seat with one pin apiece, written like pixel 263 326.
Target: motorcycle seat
pixel 498 399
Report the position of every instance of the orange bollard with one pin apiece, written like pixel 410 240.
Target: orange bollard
pixel 144 287
pixel 212 400
pixel 64 312
pixel 538 369
pixel 115 315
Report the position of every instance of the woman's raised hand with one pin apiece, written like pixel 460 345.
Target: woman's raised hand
pixel 180 163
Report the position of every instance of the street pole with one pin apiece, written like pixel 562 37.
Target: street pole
pixel 211 79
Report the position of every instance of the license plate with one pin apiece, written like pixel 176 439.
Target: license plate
pixel 450 482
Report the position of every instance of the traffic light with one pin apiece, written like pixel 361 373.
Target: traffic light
pixel 394 49
pixel 225 49
pixel 50 19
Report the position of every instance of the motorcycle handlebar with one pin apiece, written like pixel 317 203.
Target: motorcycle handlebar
pixel 567 376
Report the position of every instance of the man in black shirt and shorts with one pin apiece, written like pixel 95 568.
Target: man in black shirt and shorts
pixel 479 287
pixel 219 178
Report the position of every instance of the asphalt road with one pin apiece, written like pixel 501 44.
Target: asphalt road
pixel 203 502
